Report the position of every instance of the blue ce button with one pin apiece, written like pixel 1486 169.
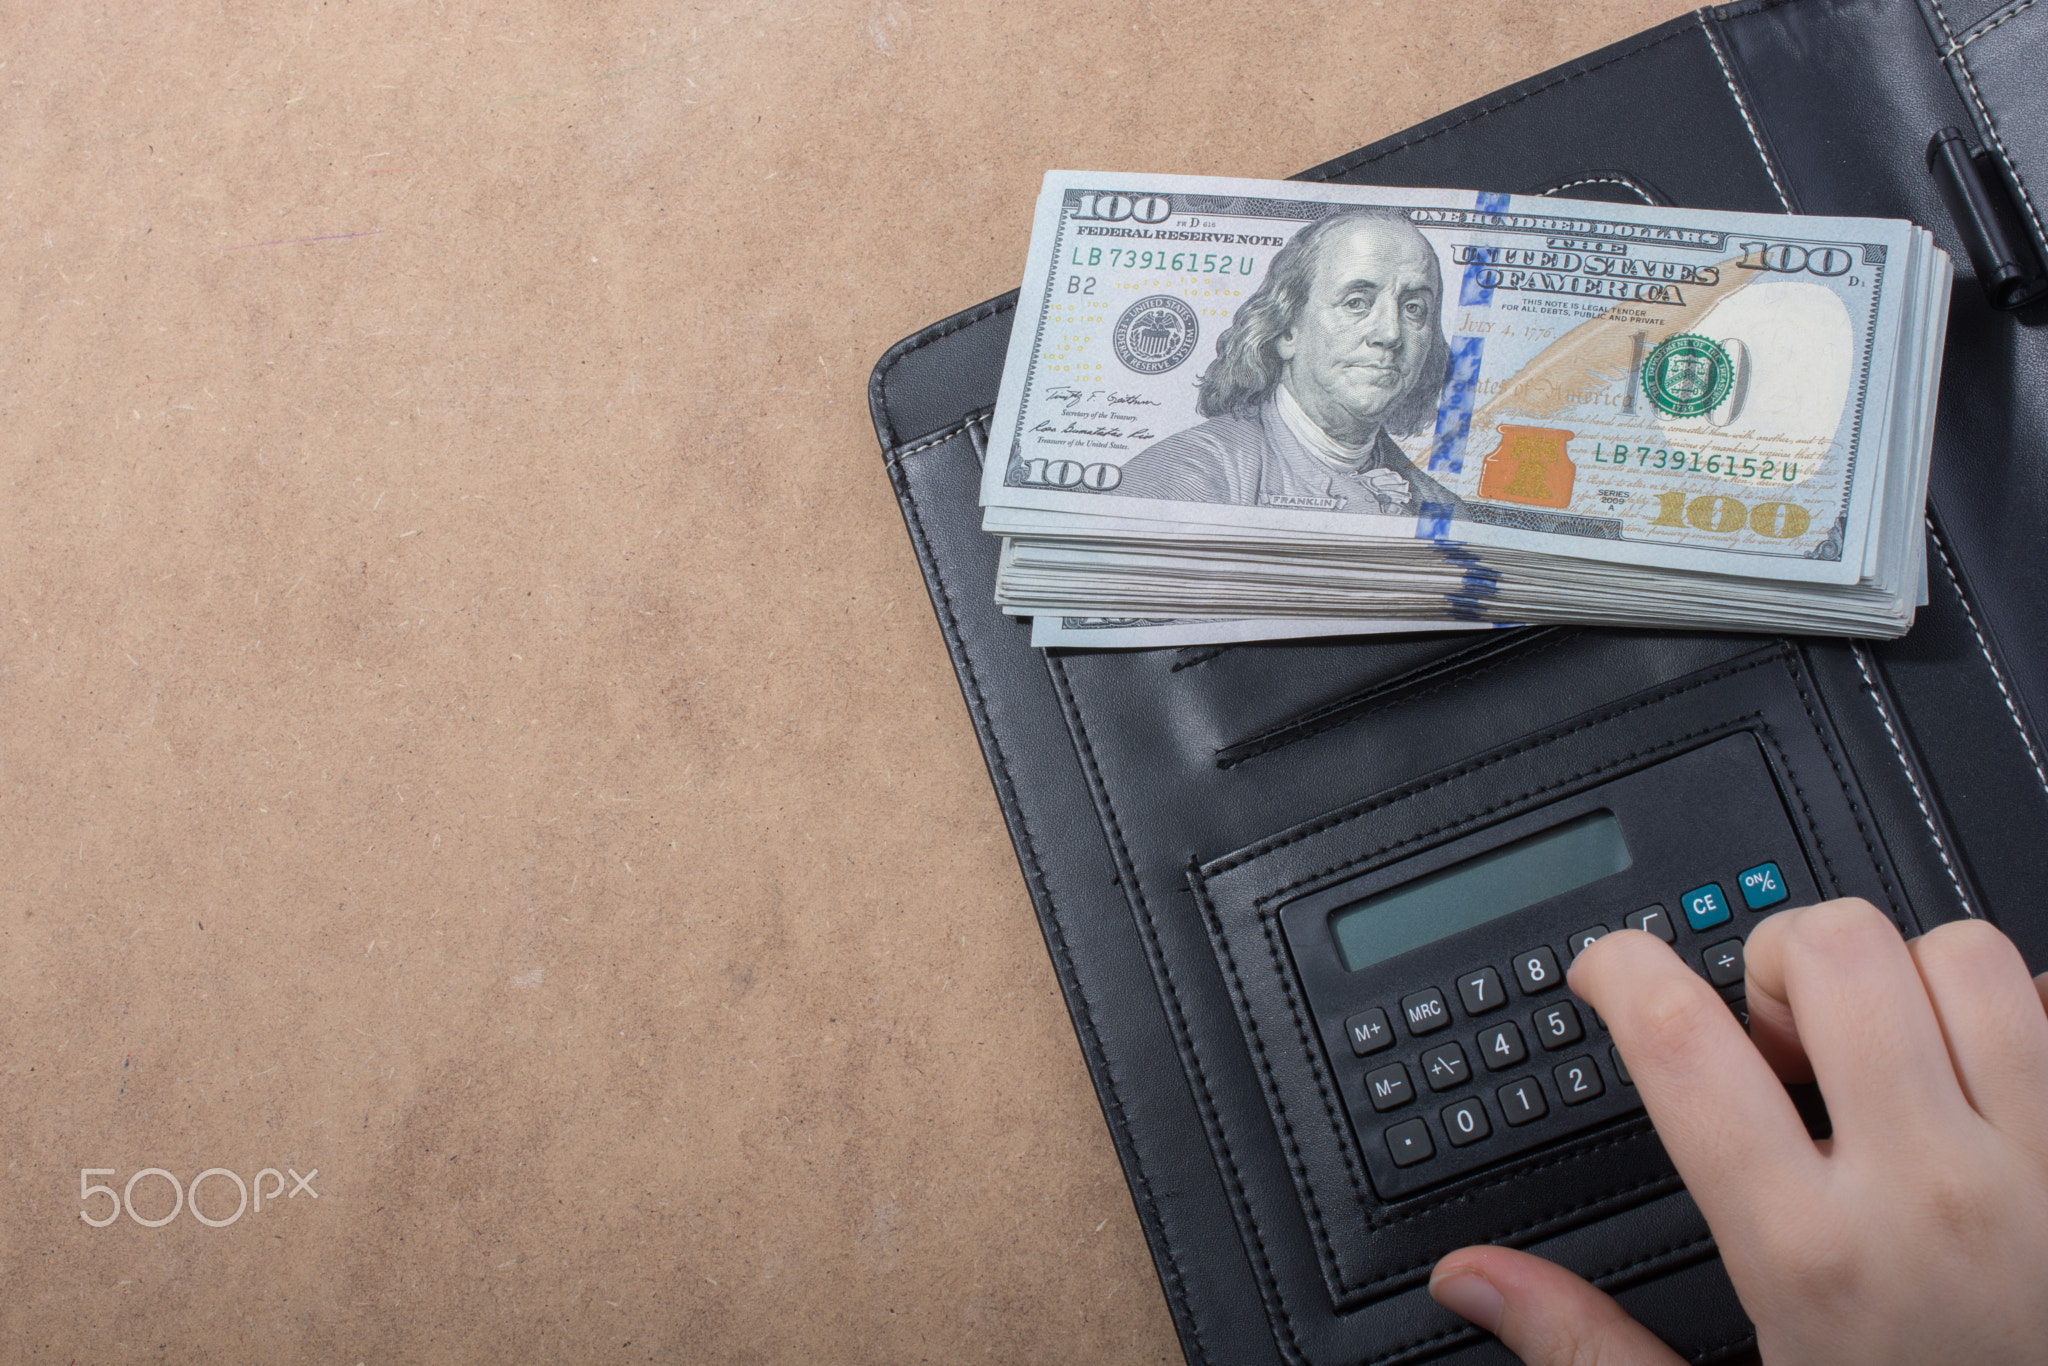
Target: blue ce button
pixel 1762 886
pixel 1705 907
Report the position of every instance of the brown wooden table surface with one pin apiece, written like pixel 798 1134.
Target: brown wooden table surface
pixel 471 725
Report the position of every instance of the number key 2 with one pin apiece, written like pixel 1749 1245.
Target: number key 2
pixel 1578 1080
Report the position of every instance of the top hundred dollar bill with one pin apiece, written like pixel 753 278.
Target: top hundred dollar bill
pixel 1275 361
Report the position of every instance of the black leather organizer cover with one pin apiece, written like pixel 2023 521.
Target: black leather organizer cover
pixel 1164 804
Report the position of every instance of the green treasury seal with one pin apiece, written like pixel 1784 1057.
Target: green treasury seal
pixel 1688 375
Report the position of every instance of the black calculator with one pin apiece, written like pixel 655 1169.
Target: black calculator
pixel 1438 982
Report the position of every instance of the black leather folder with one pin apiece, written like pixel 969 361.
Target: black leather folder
pixel 1186 818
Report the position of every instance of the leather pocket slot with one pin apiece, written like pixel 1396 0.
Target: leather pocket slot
pixel 1488 652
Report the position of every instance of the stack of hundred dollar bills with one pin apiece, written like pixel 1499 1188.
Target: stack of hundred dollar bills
pixel 1245 410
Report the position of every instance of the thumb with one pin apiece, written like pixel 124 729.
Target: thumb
pixel 1542 1313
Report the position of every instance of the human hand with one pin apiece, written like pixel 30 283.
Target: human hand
pixel 1917 1233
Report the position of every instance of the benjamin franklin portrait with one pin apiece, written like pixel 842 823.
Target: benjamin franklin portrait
pixel 1340 348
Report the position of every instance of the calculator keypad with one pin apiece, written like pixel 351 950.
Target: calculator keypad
pixel 1500 1117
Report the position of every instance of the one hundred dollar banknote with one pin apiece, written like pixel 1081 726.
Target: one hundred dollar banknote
pixel 1457 388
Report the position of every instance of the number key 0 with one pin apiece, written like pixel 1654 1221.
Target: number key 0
pixel 1536 970
pixel 1466 1122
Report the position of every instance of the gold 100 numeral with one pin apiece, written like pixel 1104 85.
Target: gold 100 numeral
pixel 1718 512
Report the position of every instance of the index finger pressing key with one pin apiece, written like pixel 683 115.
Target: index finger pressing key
pixel 1721 1112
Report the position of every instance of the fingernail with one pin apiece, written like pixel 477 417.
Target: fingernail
pixel 1469 1295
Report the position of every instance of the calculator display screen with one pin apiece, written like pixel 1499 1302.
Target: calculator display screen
pixel 1494 884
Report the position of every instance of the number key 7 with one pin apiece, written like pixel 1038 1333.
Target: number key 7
pixel 1481 991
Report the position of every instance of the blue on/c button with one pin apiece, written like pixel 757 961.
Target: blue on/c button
pixel 1705 907
pixel 1762 886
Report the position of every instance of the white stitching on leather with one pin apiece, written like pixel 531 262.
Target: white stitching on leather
pixel 1962 62
pixel 1978 32
pixel 1631 186
pixel 1919 798
pixel 1997 674
pixel 1742 108
pixel 941 439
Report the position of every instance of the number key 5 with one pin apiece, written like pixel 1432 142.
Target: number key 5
pixel 1558 1025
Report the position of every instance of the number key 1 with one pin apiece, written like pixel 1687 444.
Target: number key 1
pixel 1522 1101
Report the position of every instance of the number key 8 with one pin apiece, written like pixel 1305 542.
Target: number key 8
pixel 1537 970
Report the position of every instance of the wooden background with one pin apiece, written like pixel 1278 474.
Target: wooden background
pixel 470 721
